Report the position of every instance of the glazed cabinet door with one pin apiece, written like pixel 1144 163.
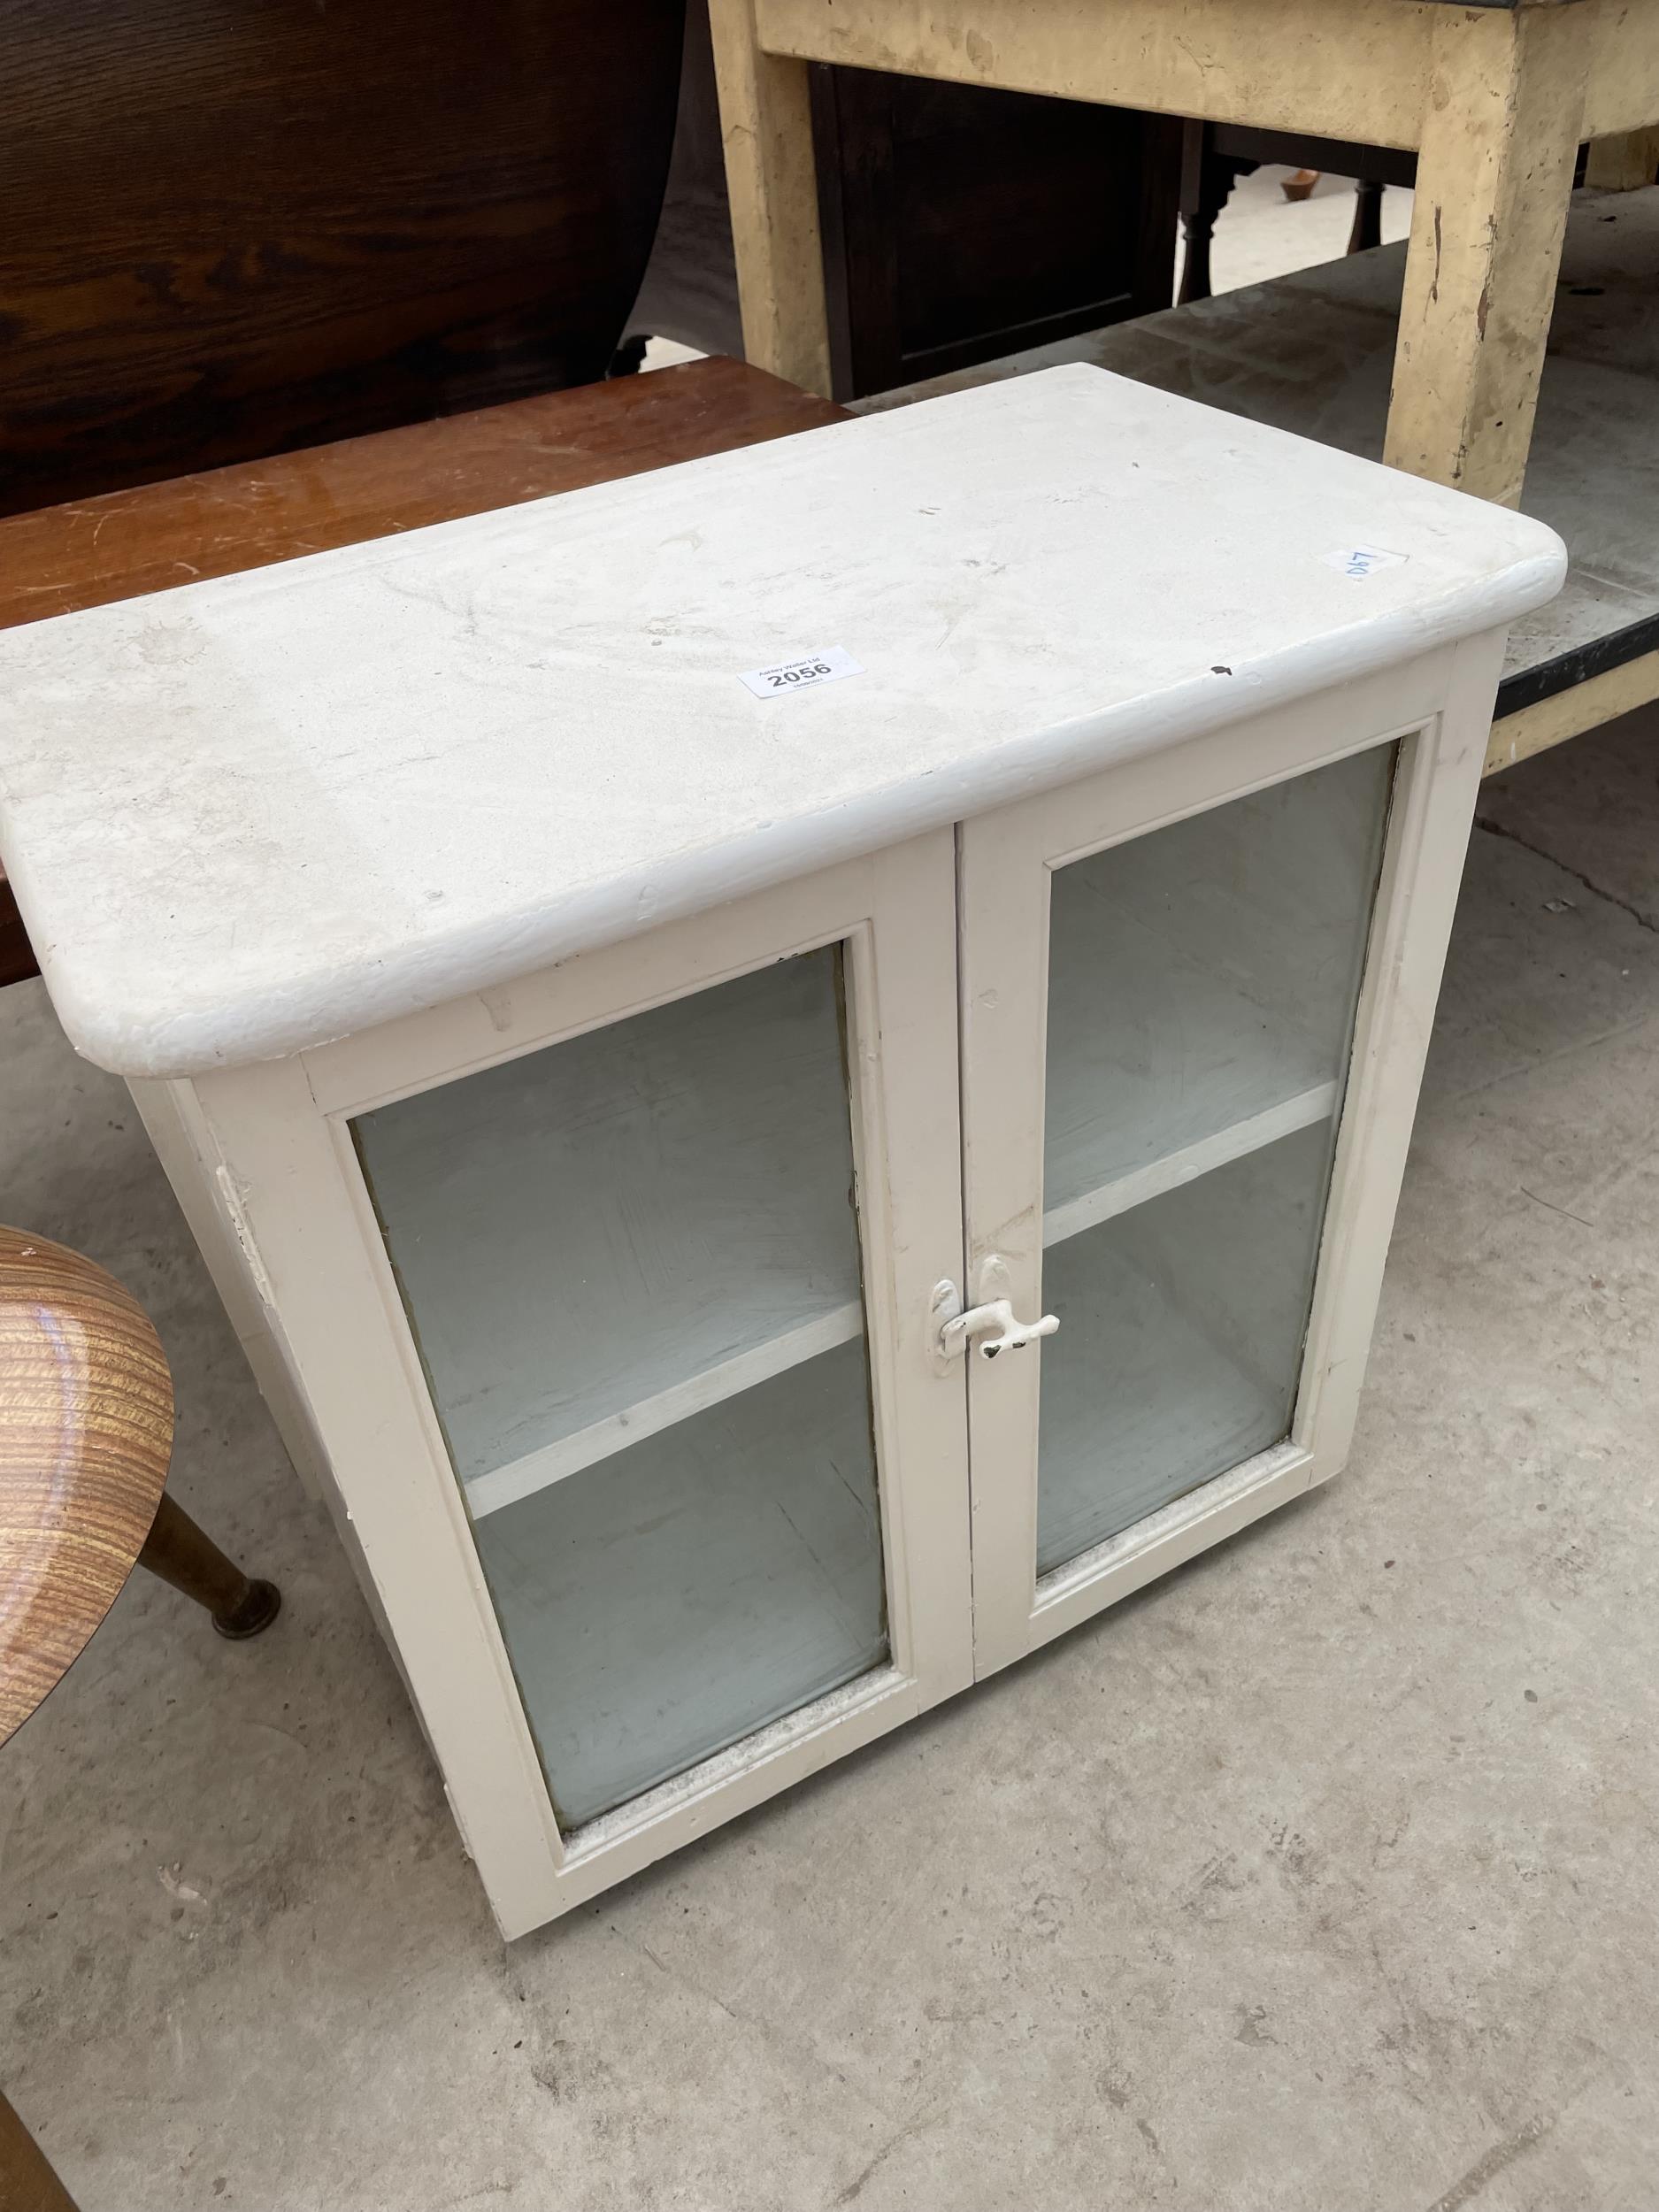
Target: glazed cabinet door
pixel 1176 1151
pixel 655 1281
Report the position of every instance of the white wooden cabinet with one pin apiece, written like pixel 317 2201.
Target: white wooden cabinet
pixel 599 1089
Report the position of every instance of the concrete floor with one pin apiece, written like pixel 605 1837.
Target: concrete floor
pixel 1260 235
pixel 1319 1877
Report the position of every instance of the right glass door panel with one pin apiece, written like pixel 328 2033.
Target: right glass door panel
pixel 1203 980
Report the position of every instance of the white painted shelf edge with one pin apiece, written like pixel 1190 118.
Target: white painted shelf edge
pixel 569 1454
pixel 1125 1192
pixel 520 1478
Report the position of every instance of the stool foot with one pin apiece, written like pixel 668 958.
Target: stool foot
pixel 178 1551
pixel 254 1615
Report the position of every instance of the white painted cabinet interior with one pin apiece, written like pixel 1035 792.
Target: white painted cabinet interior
pixel 641 1127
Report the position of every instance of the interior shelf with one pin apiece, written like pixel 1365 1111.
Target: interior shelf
pixel 609 1236
pixel 1301 1110
pixel 568 1454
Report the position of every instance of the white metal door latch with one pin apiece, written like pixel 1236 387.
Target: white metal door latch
pixel 990 1326
pixel 993 1329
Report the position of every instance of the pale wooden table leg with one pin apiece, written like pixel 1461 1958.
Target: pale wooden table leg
pixel 1624 163
pixel 1494 174
pixel 771 180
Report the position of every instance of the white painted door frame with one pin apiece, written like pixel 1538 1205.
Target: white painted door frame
pixel 1437 710
pixel 277 1140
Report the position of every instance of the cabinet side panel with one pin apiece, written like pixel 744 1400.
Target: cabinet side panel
pixel 285 1172
pixel 173 1123
pixel 173 1118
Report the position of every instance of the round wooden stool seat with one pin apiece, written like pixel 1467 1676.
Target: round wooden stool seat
pixel 86 1435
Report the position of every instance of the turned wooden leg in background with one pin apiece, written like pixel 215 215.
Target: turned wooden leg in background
pixel 1198 229
pixel 1367 229
pixel 1207 182
pixel 179 1552
pixel 27 2184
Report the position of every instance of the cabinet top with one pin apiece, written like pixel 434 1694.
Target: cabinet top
pixel 255 813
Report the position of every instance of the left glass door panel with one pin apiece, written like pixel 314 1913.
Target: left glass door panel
pixel 631 1265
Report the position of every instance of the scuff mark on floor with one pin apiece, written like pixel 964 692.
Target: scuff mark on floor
pixel 856 2187
pixel 1492 2163
pixel 1502 829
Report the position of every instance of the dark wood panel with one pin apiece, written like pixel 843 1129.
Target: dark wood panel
pixel 236 230
pixel 961 223
pixel 1242 143
pixel 17 962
